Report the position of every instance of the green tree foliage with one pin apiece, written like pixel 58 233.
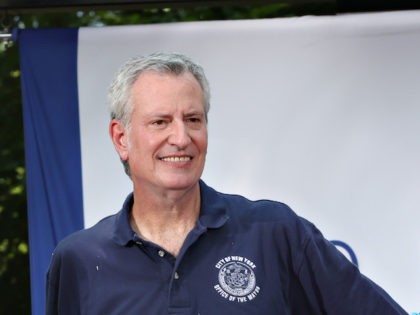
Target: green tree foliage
pixel 14 249
pixel 14 269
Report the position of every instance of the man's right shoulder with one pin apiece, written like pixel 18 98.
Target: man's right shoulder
pixel 92 237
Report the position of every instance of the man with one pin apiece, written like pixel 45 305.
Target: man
pixel 178 246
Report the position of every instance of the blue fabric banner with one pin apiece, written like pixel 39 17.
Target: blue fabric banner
pixel 48 60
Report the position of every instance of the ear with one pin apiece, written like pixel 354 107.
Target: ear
pixel 119 137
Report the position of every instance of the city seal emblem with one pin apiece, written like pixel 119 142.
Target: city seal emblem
pixel 236 277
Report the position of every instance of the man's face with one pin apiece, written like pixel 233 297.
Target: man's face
pixel 166 143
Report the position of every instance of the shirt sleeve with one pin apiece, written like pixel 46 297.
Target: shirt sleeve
pixel 64 279
pixel 331 284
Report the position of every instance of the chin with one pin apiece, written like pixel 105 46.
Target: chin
pixel 180 184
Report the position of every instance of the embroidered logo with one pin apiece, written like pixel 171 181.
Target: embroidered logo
pixel 237 282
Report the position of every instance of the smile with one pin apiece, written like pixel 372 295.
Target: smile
pixel 176 159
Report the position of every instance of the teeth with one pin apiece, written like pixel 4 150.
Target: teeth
pixel 176 159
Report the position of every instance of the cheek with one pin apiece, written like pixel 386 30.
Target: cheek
pixel 202 142
pixel 144 144
pixel 135 145
pixel 205 138
pixel 205 144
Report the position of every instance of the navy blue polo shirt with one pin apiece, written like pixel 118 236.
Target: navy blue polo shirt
pixel 242 257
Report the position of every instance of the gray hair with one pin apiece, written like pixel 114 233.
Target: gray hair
pixel 119 94
pixel 120 104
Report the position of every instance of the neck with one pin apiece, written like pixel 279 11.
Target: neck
pixel 166 219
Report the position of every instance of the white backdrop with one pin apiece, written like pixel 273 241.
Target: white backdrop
pixel 322 113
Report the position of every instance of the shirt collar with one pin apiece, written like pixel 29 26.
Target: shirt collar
pixel 123 233
pixel 213 214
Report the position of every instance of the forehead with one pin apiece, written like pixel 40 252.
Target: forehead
pixel 157 87
pixel 153 79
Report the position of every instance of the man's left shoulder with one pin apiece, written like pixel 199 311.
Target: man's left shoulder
pixel 261 210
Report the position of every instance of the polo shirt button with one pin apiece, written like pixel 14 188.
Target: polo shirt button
pixel 161 253
pixel 176 276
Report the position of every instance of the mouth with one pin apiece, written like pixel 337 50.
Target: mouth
pixel 176 159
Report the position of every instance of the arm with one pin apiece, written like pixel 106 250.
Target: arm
pixel 333 285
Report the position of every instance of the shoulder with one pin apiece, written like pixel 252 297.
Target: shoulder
pixel 258 211
pixel 72 254
pixel 86 239
pixel 267 216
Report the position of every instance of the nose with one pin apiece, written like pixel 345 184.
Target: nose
pixel 179 135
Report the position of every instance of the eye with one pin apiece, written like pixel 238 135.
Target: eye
pixel 159 123
pixel 194 119
pixel 194 122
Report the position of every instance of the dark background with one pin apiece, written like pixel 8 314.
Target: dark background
pixel 341 6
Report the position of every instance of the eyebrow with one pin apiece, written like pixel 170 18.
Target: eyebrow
pixel 195 113
pixel 166 115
